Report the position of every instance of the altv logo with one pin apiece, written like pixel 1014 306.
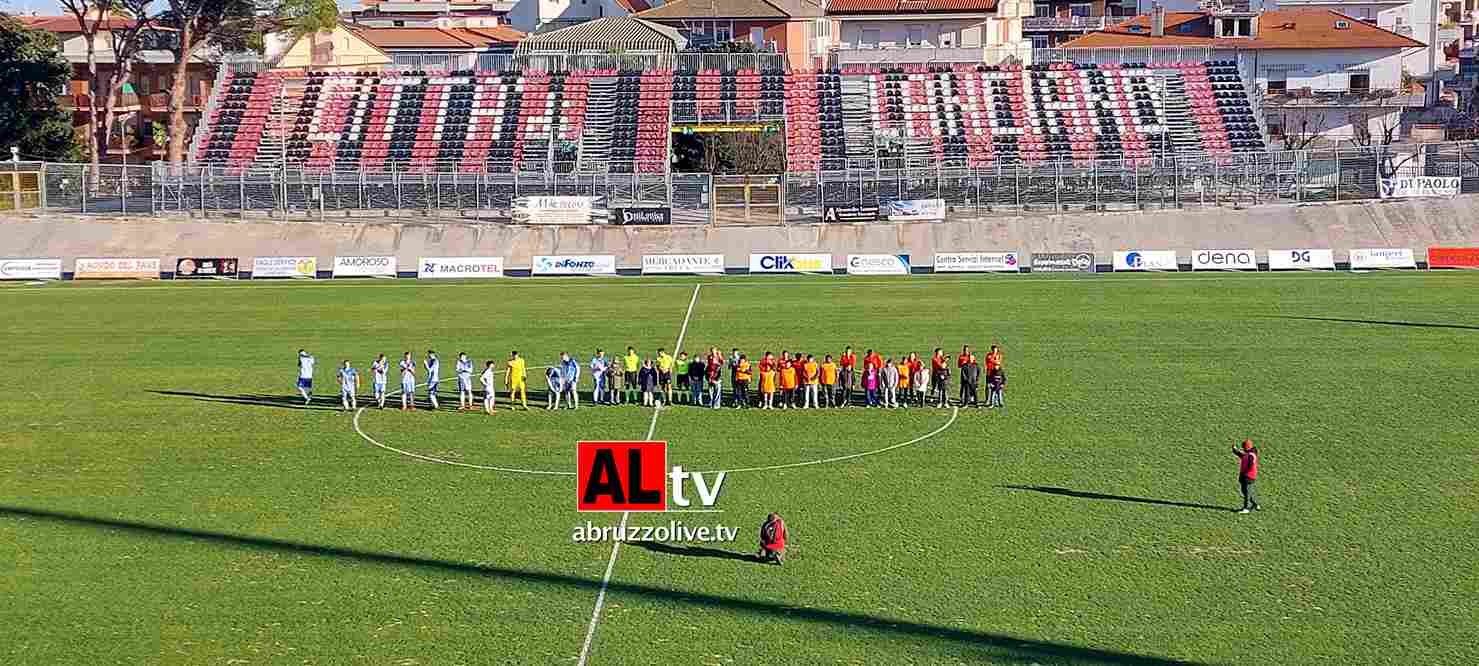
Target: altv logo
pixel 634 476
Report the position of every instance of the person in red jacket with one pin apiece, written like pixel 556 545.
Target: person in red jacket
pixel 1247 474
pixel 773 539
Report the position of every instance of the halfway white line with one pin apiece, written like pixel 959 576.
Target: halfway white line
pixel 590 632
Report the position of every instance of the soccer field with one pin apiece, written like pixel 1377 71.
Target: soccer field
pixel 164 498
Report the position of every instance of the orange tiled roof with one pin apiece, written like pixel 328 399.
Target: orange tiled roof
pixel 908 6
pixel 437 38
pixel 1278 29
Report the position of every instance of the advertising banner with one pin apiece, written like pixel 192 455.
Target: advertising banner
pixel 1145 260
pixel 798 262
pixel 916 210
pixel 364 267
pixel 977 262
pixel 1301 259
pixel 1383 257
pixel 631 217
pixel 1438 257
pixel 877 264
pixel 116 268
pixel 432 268
pixel 1419 186
pixel 575 264
pixel 285 267
pixel 849 214
pixel 30 269
pixel 201 268
pixel 1224 260
pixel 552 210
pixel 670 264
pixel 1063 262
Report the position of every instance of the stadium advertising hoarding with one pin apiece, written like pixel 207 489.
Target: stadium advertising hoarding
pixel 795 262
pixel 877 264
pixel 1453 257
pixel 977 262
pixel 1383 257
pixel 552 210
pixel 105 268
pixel 364 267
pixel 916 210
pixel 1063 262
pixel 849 214
pixel 1145 260
pixel 431 268
pixel 204 268
pixel 1419 186
pixel 1224 260
pixel 30 269
pixel 574 264
pixel 285 267
pixel 1301 259
pixel 671 264
pixel 648 216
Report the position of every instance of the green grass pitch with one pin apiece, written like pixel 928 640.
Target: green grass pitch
pixel 163 500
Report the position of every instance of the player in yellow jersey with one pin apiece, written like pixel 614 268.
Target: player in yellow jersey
pixel 514 380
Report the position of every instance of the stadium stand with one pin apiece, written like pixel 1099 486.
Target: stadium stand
pixel 856 117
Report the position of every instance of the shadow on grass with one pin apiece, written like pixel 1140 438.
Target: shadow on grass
pixel 1377 322
pixel 1050 490
pixel 323 402
pixel 995 646
pixel 696 551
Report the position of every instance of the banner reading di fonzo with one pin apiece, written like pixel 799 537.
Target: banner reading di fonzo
pixel 1063 262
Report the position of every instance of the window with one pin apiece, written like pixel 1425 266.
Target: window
pixel 1342 25
pixel 1360 82
pixel 871 37
pixel 1039 41
pixel 723 33
pixel 1083 10
pixel 1042 11
pixel 947 40
pixel 1245 27
pixel 916 35
pixel 1186 28
pixel 1278 86
pixel 757 37
pixel 398 24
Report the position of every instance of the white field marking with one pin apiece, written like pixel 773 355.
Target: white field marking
pixel 590 632
pixel 954 412
pixel 744 281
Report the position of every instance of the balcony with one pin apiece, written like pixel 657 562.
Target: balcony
pixel 1065 24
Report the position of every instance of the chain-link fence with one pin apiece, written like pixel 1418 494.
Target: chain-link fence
pixel 1170 182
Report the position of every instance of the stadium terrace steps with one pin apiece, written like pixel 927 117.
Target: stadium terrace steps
pixel 859 117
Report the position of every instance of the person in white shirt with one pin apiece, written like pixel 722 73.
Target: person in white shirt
pixel 490 398
pixel 464 382
pixel 379 369
pixel 348 386
pixel 408 382
pixel 305 375
pixel 433 377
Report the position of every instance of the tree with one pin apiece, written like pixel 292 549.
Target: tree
pixel 32 75
pixel 304 17
pixel 127 35
pixel 228 25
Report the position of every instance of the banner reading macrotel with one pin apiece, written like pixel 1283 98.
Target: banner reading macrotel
pixel 1301 259
pixel 116 268
pixel 797 262
pixel 204 268
pixel 285 267
pixel 877 264
pixel 574 264
pixel 1383 257
pixel 1419 186
pixel 30 269
pixel 914 210
pixel 1145 260
pixel 1438 257
pixel 1063 262
pixel 552 210
pixel 1224 260
pixel 977 262
pixel 432 268
pixel 364 267
pixel 677 264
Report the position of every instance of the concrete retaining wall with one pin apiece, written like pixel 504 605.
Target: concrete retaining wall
pixel 1414 223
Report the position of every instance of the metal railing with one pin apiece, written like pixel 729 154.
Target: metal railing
pixel 1054 23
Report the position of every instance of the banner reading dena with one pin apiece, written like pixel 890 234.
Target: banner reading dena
pixel 116 268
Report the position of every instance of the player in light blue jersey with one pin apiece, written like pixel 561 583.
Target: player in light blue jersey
pixel 379 369
pixel 490 395
pixel 348 386
pixel 305 375
pixel 464 382
pixel 433 377
pixel 408 382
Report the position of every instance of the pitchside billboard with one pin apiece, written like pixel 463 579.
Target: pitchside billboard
pixel 205 268
pixel 115 268
pixel 1301 259
pixel 683 264
pixel 285 267
pixel 1145 260
pixel 977 262
pixel 1063 262
pixel 1383 257
pixel 364 267
pixel 1224 260
pixel 574 264
pixel 794 262
pixel 30 269
pixel 877 264
pixel 1449 257
pixel 434 268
